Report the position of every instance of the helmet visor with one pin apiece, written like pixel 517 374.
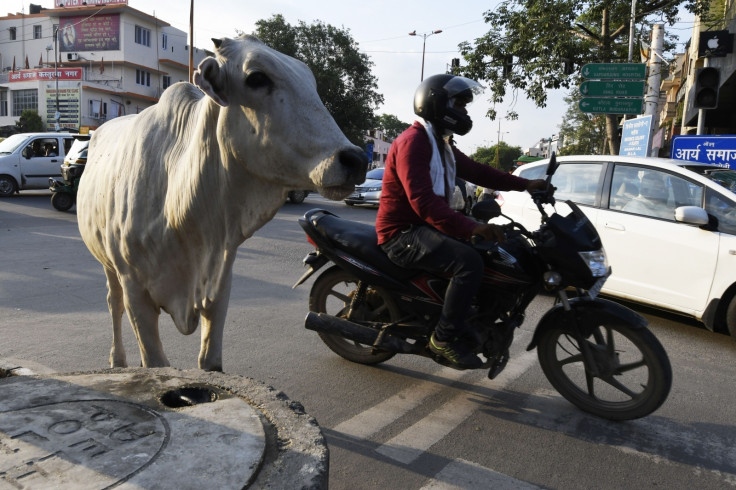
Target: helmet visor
pixel 463 88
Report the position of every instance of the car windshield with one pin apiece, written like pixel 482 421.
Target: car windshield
pixel 722 176
pixel 375 174
pixel 78 149
pixel 9 145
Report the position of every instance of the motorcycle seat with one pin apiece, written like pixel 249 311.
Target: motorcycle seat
pixel 360 240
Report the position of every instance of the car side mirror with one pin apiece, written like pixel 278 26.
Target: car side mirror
pixel 691 215
pixel 486 210
pixel 26 153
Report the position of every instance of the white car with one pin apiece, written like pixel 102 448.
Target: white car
pixel 668 228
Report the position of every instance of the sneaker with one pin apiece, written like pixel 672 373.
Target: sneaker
pixel 455 352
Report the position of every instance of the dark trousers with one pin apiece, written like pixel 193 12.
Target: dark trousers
pixel 425 248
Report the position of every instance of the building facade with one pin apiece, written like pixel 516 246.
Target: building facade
pixel 83 63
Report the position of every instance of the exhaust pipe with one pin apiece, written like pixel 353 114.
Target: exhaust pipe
pixel 322 322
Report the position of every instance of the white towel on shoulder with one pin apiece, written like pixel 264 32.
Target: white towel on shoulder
pixel 441 176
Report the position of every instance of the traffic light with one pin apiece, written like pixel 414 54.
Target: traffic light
pixel 707 81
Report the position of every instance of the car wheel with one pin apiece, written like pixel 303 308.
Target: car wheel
pixel 349 203
pixel 8 187
pixel 731 317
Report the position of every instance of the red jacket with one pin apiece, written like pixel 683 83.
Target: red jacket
pixel 407 197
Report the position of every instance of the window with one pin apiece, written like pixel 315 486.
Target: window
pixel 143 77
pixel 166 81
pixel 24 99
pixel 37 32
pixel 3 103
pixel 12 32
pixel 577 182
pixel 142 36
pixel 723 209
pixel 651 192
pixel 164 41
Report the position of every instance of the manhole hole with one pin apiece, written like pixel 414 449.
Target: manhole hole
pixel 188 397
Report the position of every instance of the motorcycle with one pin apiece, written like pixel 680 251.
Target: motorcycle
pixel 597 354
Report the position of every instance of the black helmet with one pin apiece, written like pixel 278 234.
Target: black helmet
pixel 432 101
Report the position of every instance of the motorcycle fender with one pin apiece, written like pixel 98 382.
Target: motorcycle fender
pixel 589 314
pixel 314 261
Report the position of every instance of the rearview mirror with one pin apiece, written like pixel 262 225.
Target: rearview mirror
pixel 552 167
pixel 691 215
pixel 486 210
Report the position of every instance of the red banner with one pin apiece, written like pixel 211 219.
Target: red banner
pixel 45 74
pixel 98 33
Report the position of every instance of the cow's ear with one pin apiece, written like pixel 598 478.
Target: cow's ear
pixel 211 80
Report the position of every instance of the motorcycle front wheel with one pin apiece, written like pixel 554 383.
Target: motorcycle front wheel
pixel 332 293
pixel 625 375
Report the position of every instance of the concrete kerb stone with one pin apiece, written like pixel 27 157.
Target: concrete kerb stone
pixel 278 443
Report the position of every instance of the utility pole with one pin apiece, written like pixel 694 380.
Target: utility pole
pixel 651 99
pixel 191 40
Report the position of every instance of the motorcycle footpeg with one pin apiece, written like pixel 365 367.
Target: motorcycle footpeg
pixel 498 365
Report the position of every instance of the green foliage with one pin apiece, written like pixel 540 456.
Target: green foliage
pixel 582 133
pixel 345 82
pixel 533 46
pixel 391 126
pixel 30 122
pixel 506 156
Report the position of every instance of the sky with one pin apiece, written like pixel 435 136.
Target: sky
pixel 381 30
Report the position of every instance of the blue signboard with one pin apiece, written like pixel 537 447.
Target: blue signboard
pixel 714 150
pixel 635 137
pixel 369 151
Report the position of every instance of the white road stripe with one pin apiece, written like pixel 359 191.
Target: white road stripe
pixel 464 475
pixel 411 443
pixel 367 423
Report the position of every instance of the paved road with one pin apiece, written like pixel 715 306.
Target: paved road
pixel 406 424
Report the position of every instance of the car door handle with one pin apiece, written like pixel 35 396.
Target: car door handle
pixel 54 160
pixel 616 226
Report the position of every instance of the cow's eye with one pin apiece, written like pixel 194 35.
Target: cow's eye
pixel 258 80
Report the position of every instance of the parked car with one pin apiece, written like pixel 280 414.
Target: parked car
pixel 28 160
pixel 668 228
pixel 369 192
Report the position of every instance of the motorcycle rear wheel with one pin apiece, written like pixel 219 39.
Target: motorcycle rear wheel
pixel 331 293
pixel 630 377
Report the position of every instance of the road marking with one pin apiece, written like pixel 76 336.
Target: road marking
pixel 367 423
pixel 464 475
pixel 417 439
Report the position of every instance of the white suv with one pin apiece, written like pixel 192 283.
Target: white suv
pixel 668 227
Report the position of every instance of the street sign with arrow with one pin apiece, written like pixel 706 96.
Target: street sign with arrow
pixel 611 105
pixel 615 71
pixel 612 88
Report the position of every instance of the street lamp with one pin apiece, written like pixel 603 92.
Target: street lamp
pixel 57 114
pixel 424 44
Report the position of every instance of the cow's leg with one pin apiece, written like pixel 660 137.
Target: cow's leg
pixel 116 306
pixel 143 315
pixel 213 324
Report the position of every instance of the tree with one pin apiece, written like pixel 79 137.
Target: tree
pixel 30 122
pixel 501 156
pixel 344 79
pixel 582 133
pixel 391 126
pixel 537 45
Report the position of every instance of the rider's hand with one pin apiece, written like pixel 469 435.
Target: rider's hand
pixel 536 185
pixel 493 233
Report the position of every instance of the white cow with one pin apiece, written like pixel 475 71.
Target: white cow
pixel 169 194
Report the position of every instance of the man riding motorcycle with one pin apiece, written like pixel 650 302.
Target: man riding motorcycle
pixel 415 224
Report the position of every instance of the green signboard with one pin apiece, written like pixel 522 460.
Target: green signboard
pixel 612 88
pixel 611 106
pixel 615 71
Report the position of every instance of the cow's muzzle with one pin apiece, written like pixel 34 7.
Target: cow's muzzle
pixel 355 163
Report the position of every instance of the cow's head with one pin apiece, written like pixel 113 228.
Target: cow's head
pixel 273 122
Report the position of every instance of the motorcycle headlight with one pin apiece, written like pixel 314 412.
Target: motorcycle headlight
pixel 596 261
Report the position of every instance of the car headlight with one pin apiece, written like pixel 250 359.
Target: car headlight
pixel 371 189
pixel 596 262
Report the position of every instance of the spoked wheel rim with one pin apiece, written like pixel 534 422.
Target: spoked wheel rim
pixel 332 293
pixel 626 376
